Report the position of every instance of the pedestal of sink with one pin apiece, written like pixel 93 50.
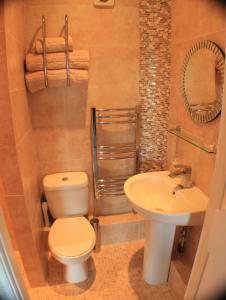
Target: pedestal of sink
pixel 159 239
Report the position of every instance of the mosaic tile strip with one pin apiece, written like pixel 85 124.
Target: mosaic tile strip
pixel 154 85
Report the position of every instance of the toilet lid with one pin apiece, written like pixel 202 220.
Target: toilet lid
pixel 71 236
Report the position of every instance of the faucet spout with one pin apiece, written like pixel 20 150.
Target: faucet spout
pixel 184 168
pixel 185 171
pixel 177 188
pixel 179 169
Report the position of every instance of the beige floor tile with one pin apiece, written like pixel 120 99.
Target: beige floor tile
pixel 115 273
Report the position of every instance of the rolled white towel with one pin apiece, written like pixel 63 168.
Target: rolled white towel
pixel 56 78
pixel 78 59
pixel 53 44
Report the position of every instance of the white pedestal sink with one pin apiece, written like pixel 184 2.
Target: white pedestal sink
pixel 152 195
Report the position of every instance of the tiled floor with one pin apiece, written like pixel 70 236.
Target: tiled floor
pixel 115 274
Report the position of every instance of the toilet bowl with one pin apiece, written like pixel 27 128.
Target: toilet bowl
pixel 71 237
pixel 71 241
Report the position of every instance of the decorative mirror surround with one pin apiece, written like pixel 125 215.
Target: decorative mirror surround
pixel 202 81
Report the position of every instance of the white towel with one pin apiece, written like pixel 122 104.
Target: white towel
pixel 56 78
pixel 53 44
pixel 78 59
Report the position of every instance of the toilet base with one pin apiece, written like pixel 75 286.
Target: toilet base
pixel 75 273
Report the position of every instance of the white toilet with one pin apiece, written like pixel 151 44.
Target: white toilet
pixel 71 238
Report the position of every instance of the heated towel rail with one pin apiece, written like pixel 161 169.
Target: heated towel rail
pixel 105 186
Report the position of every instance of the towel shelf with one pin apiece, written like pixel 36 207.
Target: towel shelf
pixel 188 137
pixel 45 65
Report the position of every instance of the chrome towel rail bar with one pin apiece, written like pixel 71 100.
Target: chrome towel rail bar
pixel 102 149
pixel 102 185
pixel 116 122
pixel 130 115
pixel 44 50
pixel 116 151
pixel 115 158
pixel 112 186
pixel 114 179
pixel 45 65
pixel 115 109
pixel 117 146
pixel 111 194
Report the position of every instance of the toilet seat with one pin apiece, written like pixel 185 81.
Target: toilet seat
pixel 71 237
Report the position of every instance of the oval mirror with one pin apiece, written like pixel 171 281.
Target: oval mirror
pixel 202 81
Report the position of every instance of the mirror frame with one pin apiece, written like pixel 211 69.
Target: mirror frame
pixel 219 54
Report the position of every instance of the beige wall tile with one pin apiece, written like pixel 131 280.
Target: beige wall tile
pixel 7 218
pixel 133 3
pixel 2 26
pixel 48 108
pixel 33 21
pixel 117 64
pixel 27 157
pixel 79 144
pixel 15 62
pixel 10 171
pixel 20 114
pixel 115 95
pixel 126 33
pixel 76 113
pixel 6 129
pixel 24 238
pixel 32 199
pixel 9 165
pixel 196 19
pixel 122 232
pixel 52 144
pixel 14 19
pixel 77 2
pixel 32 2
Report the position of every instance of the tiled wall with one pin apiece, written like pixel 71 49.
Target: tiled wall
pixel 61 116
pixel 17 147
pixel 155 29
pixel 191 21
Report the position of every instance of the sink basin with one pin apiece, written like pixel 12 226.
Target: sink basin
pixel 153 195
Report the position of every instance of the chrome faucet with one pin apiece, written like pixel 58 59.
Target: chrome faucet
pixel 185 171
pixel 179 169
pixel 177 188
